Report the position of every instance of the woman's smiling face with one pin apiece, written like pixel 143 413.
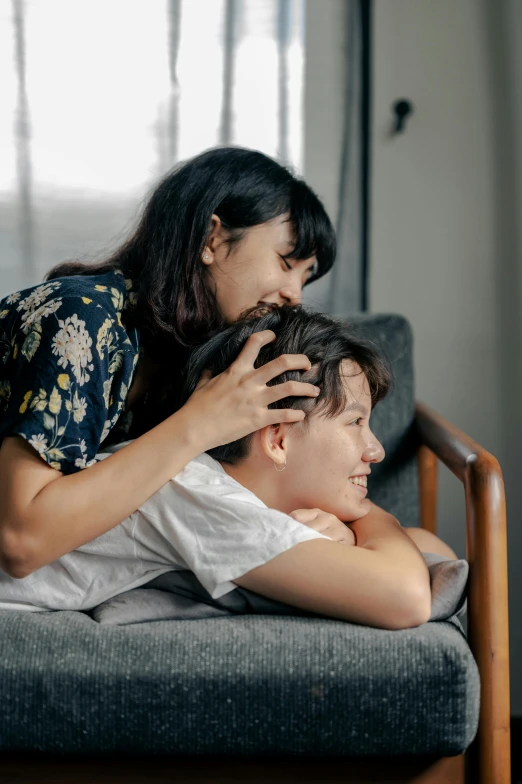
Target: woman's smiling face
pixel 255 271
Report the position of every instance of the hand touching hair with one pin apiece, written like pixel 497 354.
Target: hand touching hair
pixel 325 341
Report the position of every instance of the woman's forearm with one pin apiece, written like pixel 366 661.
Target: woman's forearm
pixel 72 510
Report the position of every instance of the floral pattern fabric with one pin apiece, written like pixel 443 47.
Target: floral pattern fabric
pixel 66 365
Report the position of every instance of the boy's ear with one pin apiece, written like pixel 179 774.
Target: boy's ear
pixel 274 439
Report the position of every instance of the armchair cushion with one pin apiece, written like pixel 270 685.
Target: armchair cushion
pixel 242 685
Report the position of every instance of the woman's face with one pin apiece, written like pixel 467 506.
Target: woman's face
pixel 254 271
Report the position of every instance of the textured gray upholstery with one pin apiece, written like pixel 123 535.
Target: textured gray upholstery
pixel 242 685
pixel 247 685
pixel 393 484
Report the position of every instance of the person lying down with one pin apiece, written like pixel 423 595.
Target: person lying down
pixel 283 512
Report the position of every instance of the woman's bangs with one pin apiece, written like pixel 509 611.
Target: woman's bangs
pixel 313 231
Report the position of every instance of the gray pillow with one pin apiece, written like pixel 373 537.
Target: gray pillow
pixel 448 579
pixel 180 596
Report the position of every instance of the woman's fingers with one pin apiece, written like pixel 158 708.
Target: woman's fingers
pixel 241 396
pixel 280 365
pixel 280 416
pixel 245 363
pixel 290 389
pixel 248 354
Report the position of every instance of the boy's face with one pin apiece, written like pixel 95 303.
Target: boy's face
pixel 327 463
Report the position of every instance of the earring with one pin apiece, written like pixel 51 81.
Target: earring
pixel 205 256
pixel 280 469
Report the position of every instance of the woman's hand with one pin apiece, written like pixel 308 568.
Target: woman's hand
pixel 327 524
pixel 234 403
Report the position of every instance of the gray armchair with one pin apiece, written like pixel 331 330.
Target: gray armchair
pixel 284 698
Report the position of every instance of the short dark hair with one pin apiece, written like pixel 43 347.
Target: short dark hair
pixel 325 341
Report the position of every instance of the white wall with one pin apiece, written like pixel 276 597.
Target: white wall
pixel 446 229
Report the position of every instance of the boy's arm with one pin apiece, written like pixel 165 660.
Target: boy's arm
pixel 380 532
pixel 382 582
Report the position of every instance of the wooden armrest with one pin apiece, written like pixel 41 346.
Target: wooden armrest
pixel 486 551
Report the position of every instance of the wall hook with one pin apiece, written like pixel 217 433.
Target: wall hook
pixel 402 109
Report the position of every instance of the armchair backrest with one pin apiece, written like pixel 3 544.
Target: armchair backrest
pixel 394 483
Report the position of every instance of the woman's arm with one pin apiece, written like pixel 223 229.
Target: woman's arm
pixel 44 514
pixel 382 582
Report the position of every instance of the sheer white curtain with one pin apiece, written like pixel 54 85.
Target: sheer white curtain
pixel 100 98
pixel 347 289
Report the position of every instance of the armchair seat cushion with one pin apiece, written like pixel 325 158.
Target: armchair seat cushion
pixel 243 685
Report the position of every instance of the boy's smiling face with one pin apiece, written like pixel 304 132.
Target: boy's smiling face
pixel 327 461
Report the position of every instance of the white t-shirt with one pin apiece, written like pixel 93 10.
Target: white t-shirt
pixel 202 520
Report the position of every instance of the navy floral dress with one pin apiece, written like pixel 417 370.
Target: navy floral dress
pixel 66 366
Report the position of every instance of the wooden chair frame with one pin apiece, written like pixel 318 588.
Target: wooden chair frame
pixel 488 758
pixel 487 761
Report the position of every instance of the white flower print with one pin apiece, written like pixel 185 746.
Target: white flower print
pixel 37 296
pixel 72 343
pixel 39 442
pixel 104 338
pixel 81 462
pixel 37 315
pixel 12 298
pixel 79 408
pixel 85 346
pixel 106 430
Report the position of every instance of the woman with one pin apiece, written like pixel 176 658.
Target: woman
pixel 95 354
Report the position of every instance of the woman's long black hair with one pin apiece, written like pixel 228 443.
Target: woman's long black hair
pixel 175 309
